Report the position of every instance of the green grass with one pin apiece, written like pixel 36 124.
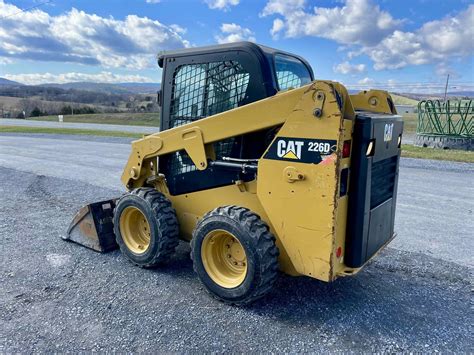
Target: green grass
pixel 403 100
pixel 409 120
pixel 410 151
pixel 89 132
pixel 126 118
pixel 153 119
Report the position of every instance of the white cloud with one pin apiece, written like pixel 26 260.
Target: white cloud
pixel 362 27
pixel 392 85
pixel 348 68
pixel 153 1
pixel 232 32
pixel 282 7
pixel 178 29
pixel 443 69
pixel 435 42
pixel 221 4
pixel 102 77
pixel 366 81
pixel 278 25
pixel 5 61
pixel 79 37
pixel 357 22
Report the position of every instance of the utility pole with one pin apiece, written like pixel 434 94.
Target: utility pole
pixel 72 108
pixel 446 88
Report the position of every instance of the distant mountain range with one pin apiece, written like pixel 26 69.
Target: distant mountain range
pixel 6 82
pixel 426 96
pixel 120 88
pixel 439 95
pixel 152 88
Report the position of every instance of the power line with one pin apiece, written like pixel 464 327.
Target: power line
pixel 412 85
pixel 442 83
pixel 26 9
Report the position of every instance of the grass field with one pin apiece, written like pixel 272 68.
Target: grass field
pixel 402 100
pixel 409 120
pixel 410 151
pixel 89 132
pixel 126 118
pixel 153 119
pixel 15 104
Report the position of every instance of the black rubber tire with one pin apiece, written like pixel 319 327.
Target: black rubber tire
pixel 260 248
pixel 164 229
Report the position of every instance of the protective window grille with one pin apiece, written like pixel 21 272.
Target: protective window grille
pixel 201 90
pixel 288 80
pixel 291 72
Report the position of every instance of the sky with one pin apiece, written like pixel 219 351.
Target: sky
pixel 399 45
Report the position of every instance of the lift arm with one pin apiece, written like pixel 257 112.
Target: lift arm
pixel 259 115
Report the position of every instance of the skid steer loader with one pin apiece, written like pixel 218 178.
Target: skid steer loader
pixel 261 167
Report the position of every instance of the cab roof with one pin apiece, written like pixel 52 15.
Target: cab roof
pixel 254 48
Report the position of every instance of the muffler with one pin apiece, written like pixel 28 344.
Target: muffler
pixel 93 228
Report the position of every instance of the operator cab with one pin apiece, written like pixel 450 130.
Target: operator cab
pixel 201 82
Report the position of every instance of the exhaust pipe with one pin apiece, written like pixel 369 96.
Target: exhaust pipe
pixel 93 228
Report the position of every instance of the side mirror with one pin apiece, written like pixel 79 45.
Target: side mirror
pixel 158 98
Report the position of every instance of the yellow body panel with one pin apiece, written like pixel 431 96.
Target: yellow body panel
pixel 191 207
pixel 299 201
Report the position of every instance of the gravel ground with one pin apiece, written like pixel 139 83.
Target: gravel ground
pixel 56 296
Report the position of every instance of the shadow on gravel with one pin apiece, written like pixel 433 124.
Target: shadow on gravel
pixel 399 295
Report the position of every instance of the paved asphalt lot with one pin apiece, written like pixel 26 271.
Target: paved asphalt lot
pixel 56 296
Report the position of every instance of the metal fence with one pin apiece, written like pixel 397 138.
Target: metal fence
pixel 453 118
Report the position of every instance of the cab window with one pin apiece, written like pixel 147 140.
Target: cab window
pixel 202 90
pixel 291 72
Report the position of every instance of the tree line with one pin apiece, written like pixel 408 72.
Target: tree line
pixel 65 110
pixel 69 95
pixel 37 106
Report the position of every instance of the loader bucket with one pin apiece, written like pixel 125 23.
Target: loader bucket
pixel 93 228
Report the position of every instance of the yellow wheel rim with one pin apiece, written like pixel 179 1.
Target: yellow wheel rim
pixel 224 258
pixel 135 230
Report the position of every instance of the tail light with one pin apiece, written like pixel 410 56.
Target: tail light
pixel 346 149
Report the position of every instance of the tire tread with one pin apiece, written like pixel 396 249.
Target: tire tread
pixel 167 225
pixel 259 231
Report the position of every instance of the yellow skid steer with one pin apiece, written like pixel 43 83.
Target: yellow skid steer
pixel 261 167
